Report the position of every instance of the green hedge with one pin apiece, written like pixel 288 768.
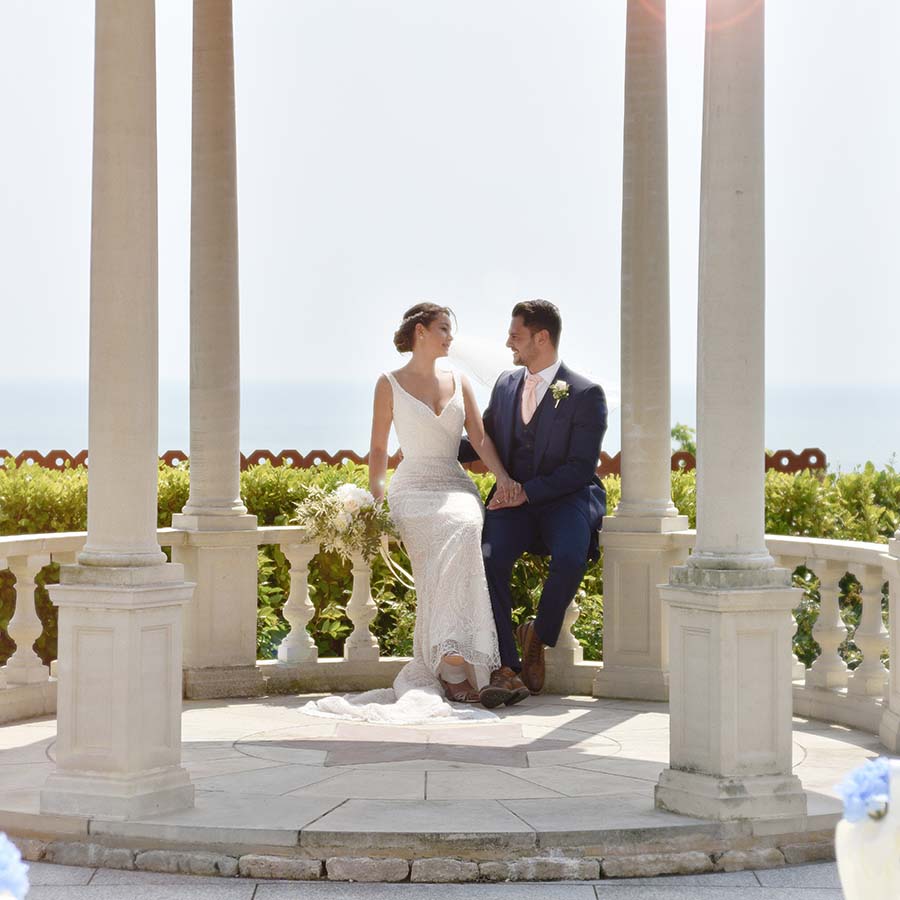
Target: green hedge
pixel 863 505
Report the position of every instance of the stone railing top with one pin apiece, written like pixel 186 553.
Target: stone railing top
pixel 808 548
pixel 860 552
pixel 73 541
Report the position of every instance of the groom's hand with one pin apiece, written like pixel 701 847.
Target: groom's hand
pixel 519 500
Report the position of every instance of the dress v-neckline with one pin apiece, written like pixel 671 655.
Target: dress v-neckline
pixel 422 402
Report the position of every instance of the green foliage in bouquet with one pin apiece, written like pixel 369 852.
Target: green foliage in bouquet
pixel 346 520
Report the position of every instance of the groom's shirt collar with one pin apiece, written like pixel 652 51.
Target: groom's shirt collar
pixel 548 376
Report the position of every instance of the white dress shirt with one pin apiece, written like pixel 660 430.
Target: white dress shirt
pixel 548 376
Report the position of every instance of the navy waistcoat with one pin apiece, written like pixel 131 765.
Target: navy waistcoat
pixel 522 460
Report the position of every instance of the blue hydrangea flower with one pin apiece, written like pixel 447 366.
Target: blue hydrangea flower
pixel 866 790
pixel 13 872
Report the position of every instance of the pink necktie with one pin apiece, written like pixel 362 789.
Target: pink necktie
pixel 529 400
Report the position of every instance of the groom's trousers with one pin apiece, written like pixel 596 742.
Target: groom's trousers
pixel 560 529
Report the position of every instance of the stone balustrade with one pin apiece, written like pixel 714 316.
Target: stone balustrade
pixel 828 690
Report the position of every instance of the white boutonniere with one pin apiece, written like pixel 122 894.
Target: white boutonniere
pixel 560 390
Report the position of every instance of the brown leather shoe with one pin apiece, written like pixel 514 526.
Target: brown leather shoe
pixel 505 687
pixel 532 657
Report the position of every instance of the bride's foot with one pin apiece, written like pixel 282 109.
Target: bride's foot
pixel 460 693
pixel 453 659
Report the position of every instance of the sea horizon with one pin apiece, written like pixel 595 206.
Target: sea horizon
pixel 852 425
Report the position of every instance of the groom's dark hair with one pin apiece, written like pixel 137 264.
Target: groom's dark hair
pixel 540 315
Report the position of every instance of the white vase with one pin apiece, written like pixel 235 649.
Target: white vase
pixel 868 852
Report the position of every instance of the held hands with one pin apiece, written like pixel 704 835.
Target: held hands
pixel 509 493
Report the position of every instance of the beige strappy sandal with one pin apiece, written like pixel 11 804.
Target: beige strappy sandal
pixel 460 693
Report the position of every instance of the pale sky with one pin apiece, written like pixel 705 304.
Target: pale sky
pixel 467 152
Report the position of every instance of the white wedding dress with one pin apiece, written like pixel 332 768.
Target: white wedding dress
pixel 439 514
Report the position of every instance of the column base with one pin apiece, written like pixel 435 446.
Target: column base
pixel 219 682
pixel 25 674
pixel 889 730
pixel 829 680
pixel 656 523
pixel 362 652
pixel 117 797
pixel 200 521
pixel 724 798
pixel 297 653
pixel 631 683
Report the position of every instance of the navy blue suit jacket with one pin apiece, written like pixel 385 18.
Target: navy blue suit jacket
pixel 567 445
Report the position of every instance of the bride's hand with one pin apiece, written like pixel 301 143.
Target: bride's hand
pixel 507 489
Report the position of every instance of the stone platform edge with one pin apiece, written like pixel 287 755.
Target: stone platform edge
pixel 435 858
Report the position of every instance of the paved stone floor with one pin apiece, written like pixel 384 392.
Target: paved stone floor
pixel 548 753
pixel 811 882
pixel 545 770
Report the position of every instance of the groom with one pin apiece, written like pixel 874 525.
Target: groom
pixel 547 423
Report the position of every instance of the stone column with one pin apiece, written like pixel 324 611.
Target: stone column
pixel 637 543
pixel 889 732
pixel 730 608
pixel 219 556
pixel 119 744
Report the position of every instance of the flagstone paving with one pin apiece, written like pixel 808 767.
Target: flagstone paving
pixel 544 773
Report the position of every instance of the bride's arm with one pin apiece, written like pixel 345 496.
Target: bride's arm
pixel 382 413
pixel 483 445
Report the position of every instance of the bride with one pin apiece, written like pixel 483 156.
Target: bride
pixel 438 511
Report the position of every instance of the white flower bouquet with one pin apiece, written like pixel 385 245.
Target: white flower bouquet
pixel 346 520
pixel 13 872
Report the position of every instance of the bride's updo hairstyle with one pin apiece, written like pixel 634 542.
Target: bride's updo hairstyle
pixel 420 314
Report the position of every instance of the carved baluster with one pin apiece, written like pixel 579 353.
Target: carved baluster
pixel 299 646
pixel 25 666
pixel 568 651
pixel 870 676
pixel 798 669
pixel 361 610
pixel 829 670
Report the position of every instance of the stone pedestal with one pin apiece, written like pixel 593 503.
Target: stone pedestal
pixel 889 732
pixel 220 625
pixel 119 702
pixel 635 621
pixel 730 740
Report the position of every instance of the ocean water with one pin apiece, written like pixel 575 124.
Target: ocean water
pixel 850 424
